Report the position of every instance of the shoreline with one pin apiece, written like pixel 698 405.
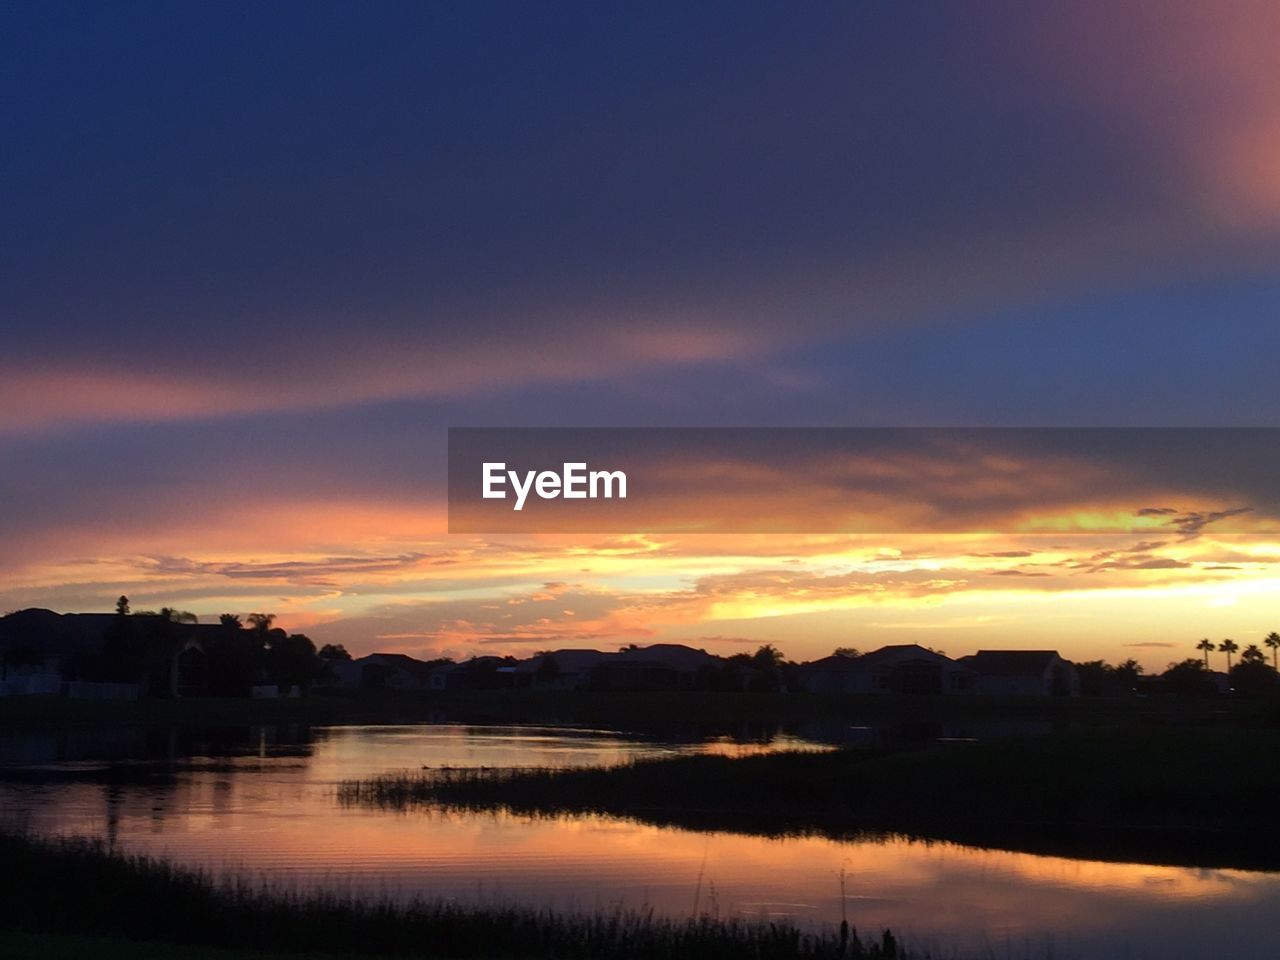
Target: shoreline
pixel 1179 798
pixel 53 890
pixel 637 712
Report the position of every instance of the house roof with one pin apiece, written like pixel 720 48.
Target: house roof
pixel 476 663
pixel 899 652
pixel 54 634
pixel 1011 663
pixel 569 661
pixel 675 656
pixel 418 669
pixel 886 656
pixel 833 662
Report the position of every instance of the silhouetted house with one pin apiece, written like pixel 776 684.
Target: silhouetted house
pixel 30 663
pixel 662 666
pixel 41 641
pixel 833 674
pixel 1022 673
pixel 109 655
pixel 902 668
pixel 189 672
pixel 478 673
pixel 93 655
pixel 559 669
pixel 378 671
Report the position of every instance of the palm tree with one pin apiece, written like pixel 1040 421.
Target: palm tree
pixel 1208 646
pixel 262 621
pixel 1273 641
pixel 1253 654
pixel 1228 647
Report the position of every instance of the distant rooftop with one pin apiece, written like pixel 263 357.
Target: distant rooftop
pixel 1010 663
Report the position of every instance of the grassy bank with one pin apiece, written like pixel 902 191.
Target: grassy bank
pixel 1203 797
pixel 20 945
pixel 40 713
pixel 664 714
pixel 54 893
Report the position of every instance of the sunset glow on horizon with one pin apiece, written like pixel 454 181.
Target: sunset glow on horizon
pixel 242 307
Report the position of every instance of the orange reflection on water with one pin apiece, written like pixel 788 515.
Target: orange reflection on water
pixel 277 816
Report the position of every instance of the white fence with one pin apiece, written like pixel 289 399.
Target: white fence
pixel 31 685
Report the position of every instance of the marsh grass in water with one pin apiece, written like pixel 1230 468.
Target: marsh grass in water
pixel 56 888
pixel 1201 797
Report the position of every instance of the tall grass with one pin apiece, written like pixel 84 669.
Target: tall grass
pixel 1192 797
pixel 76 886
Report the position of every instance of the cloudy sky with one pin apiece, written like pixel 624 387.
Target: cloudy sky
pixel 257 258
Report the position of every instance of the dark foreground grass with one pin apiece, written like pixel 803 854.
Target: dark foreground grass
pixel 20 945
pixel 1202 797
pixel 55 891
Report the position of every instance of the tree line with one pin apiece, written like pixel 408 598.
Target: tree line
pixel 229 658
pixel 1249 675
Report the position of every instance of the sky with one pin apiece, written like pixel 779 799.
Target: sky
pixel 258 258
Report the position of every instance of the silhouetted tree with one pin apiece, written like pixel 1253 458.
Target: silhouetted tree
pixel 122 605
pixel 850 652
pixel 767 657
pixel 1128 673
pixel 765 671
pixel 262 621
pixel 1273 641
pixel 1190 678
pixel 292 659
pixel 235 661
pixel 1253 654
pixel 230 621
pixel 1254 677
pixel 334 652
pixel 1096 678
pixel 178 616
pixel 735 673
pixel 1208 646
pixel 1228 647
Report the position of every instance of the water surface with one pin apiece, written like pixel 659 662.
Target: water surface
pixel 263 802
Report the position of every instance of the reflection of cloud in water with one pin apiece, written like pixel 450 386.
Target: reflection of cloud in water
pixel 278 818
